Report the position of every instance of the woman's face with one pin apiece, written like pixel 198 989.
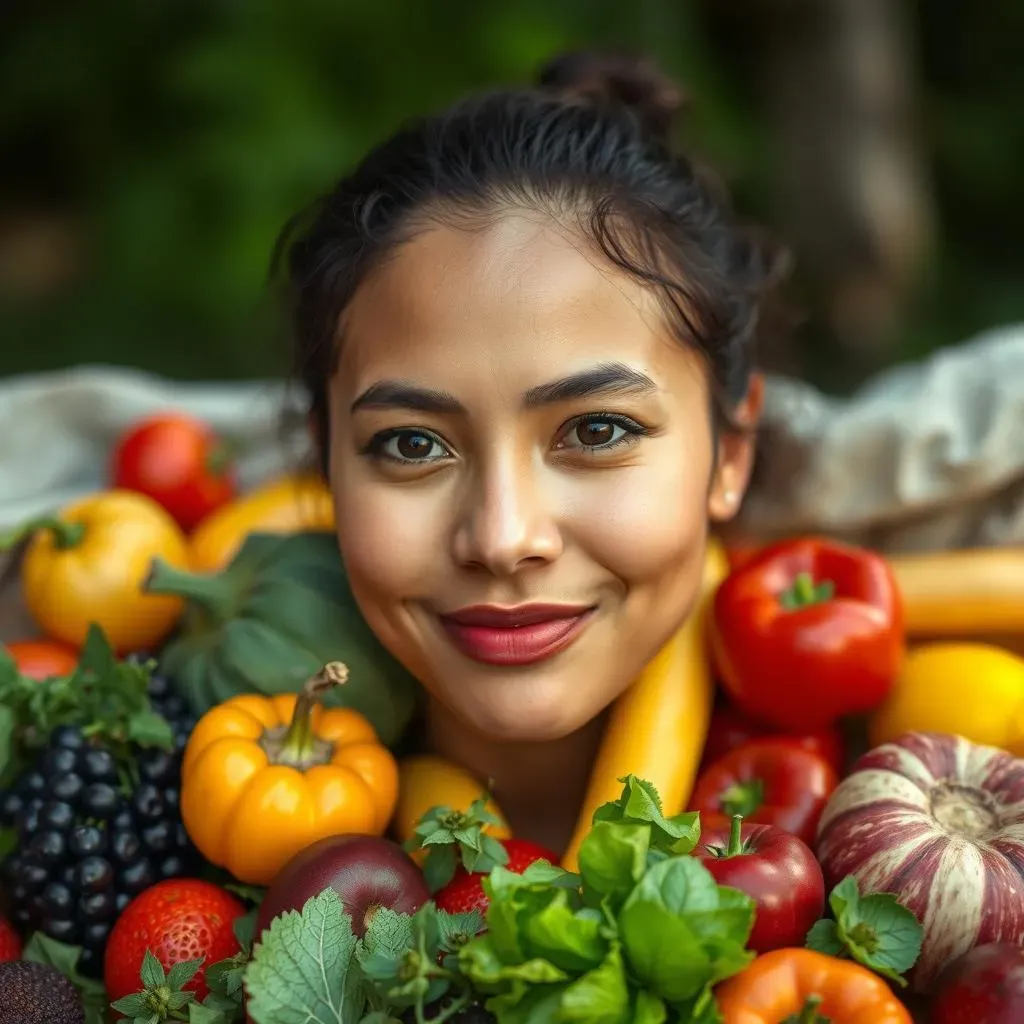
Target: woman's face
pixel 521 459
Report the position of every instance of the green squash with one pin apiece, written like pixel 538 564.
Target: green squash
pixel 276 615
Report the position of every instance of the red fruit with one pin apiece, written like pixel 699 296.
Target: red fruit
pixel 367 872
pixel 465 892
pixel 773 867
pixel 178 462
pixel 180 919
pixel 984 986
pixel 42 659
pixel 10 943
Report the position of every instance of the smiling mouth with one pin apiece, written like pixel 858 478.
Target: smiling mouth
pixel 515 636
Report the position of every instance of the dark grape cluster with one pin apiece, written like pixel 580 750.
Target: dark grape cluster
pixel 89 838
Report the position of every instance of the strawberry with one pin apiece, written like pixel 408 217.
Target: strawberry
pixel 177 920
pixel 10 943
pixel 465 892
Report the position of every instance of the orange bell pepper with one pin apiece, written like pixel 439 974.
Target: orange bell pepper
pixel 292 504
pixel 264 777
pixel 801 986
pixel 86 564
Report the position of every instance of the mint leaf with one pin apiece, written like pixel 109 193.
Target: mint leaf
pixel 149 729
pixel 824 938
pixel 388 934
pixel 640 804
pixel 199 1014
pixel 876 930
pixel 300 973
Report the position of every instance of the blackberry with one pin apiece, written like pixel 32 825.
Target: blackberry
pixel 170 705
pixel 88 841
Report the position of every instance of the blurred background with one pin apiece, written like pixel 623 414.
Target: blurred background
pixel 149 154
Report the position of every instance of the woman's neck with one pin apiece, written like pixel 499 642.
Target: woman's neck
pixel 539 786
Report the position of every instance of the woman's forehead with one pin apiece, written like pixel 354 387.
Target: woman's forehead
pixel 515 296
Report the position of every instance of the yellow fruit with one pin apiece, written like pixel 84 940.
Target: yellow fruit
pixel 968 689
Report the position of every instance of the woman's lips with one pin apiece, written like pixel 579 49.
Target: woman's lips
pixel 514 636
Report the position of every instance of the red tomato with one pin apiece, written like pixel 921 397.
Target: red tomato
pixel 771 781
pixel 773 867
pixel 177 461
pixel 731 728
pixel 180 919
pixel 43 659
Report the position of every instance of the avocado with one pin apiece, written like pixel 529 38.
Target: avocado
pixel 33 993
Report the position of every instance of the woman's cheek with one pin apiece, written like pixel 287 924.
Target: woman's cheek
pixel 645 524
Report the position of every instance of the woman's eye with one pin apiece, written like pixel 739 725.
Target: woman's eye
pixel 600 432
pixel 409 446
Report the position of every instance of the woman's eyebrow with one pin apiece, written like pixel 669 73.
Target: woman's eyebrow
pixel 603 379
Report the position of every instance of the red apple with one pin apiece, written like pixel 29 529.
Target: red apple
pixel 984 986
pixel 367 872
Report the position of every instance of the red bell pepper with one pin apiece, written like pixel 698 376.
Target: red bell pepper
pixel 776 869
pixel 731 728
pixel 808 631
pixel 769 781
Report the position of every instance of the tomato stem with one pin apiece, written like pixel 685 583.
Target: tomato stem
pixel 220 457
pixel 210 590
pixel 735 847
pixel 299 743
pixel 742 799
pixel 806 591
pixel 65 535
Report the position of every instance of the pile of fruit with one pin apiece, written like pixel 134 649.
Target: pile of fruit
pixel 203 817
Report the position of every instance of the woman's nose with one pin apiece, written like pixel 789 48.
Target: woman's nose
pixel 507 524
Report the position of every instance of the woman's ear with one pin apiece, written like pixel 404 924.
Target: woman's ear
pixel 736 450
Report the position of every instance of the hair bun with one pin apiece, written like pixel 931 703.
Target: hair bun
pixel 616 79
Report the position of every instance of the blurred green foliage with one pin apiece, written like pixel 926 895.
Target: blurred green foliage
pixel 172 139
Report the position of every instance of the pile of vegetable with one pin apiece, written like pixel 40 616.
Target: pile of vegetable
pixel 809 809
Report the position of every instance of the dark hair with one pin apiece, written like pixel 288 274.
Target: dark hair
pixel 590 145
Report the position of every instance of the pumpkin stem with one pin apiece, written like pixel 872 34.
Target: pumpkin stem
pixel 65 535
pixel 808 1013
pixel 299 742
pixel 210 590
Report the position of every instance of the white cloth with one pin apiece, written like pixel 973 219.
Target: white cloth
pixel 928 455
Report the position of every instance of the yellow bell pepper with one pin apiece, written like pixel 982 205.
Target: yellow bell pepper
pixel 291 504
pixel 87 563
pixel 970 689
pixel 264 777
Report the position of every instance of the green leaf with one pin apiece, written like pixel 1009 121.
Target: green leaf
pixel 388 934
pixel 876 930
pixel 439 867
pixel 824 938
pixel 199 1014
pixel 601 995
pixel 482 965
pixel 152 972
pixel 649 1008
pixel 97 654
pixel 300 973
pixel 640 804
pixel 253 894
pixel 566 939
pixel 131 1006
pixel 612 858
pixel 8 725
pixel 8 841
pixel 149 729
pixel 182 973
pixel 682 931
pixel 663 952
